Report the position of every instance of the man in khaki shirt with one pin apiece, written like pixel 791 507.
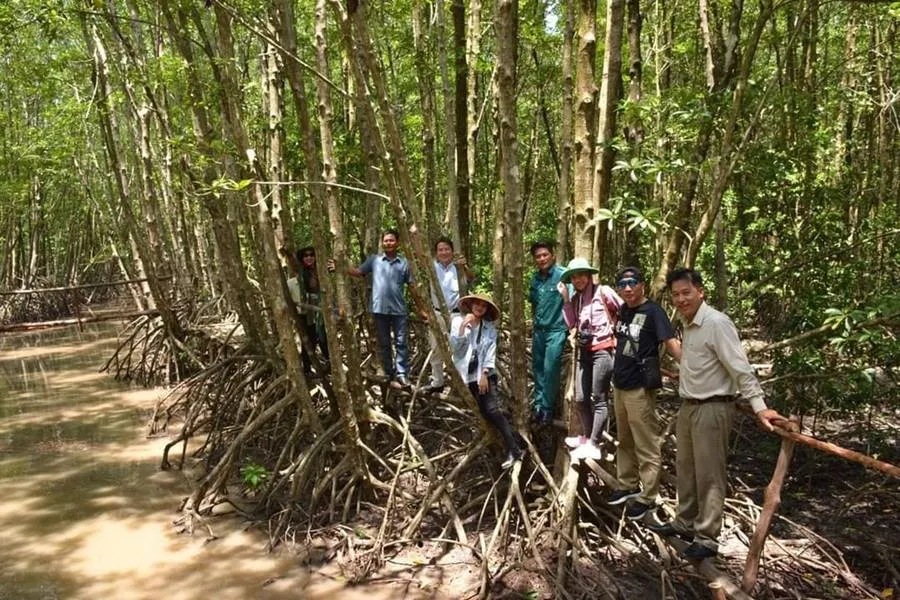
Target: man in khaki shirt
pixel 713 368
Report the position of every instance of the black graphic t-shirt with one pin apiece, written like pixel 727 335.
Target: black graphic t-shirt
pixel 649 326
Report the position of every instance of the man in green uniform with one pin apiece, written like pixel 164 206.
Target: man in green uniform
pixel 549 333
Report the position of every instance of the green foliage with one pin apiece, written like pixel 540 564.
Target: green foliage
pixel 254 475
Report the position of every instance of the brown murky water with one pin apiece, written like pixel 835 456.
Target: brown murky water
pixel 84 510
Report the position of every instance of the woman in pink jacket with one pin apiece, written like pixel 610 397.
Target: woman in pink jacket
pixel 593 310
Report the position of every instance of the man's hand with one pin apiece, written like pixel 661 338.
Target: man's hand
pixel 563 290
pixel 461 263
pixel 330 265
pixel 767 416
pixel 424 315
pixel 483 383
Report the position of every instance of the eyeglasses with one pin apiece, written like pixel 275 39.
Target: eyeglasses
pixel 626 282
pixel 309 254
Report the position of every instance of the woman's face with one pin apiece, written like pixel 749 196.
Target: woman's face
pixel 309 259
pixel 479 308
pixel 580 281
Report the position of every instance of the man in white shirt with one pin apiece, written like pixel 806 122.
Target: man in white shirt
pixel 712 370
pixel 448 277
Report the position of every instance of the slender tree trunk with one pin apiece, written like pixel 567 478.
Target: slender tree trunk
pixel 566 141
pixel 585 128
pixel 343 383
pixel 473 51
pixel 507 16
pixel 425 78
pixel 451 217
pixel 461 74
pixel 610 93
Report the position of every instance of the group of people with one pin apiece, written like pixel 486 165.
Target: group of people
pixel 619 334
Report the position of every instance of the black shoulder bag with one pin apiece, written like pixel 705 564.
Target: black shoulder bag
pixel 649 367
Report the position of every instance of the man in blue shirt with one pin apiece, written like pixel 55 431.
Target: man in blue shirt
pixel 390 273
pixel 549 335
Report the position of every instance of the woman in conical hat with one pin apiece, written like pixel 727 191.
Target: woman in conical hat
pixel 593 311
pixel 473 340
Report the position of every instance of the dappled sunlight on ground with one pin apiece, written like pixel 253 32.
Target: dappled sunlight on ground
pixel 84 510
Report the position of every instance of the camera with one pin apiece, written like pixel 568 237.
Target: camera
pixel 585 338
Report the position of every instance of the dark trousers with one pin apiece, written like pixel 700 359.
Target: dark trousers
pixel 384 326
pixel 487 404
pixel 316 337
pixel 593 374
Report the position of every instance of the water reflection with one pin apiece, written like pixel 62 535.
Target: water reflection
pixel 84 511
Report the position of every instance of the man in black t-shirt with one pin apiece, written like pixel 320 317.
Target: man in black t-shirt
pixel 642 327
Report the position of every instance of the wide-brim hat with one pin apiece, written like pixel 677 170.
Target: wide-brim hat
pixel 491 314
pixel 577 265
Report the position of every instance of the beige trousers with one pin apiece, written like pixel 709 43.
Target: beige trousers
pixel 702 432
pixel 638 428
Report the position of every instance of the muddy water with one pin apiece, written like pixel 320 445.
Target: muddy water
pixel 85 511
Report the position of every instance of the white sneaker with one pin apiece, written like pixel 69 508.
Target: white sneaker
pixel 587 450
pixel 575 441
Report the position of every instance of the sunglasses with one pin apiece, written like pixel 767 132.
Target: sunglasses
pixel 308 254
pixel 625 282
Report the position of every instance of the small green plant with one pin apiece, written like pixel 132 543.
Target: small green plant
pixel 254 475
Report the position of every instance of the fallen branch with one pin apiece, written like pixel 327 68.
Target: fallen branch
pixel 86 286
pixel 770 505
pixel 821 330
pixel 62 322
pixel 782 428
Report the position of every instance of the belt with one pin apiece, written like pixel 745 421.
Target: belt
pixel 438 309
pixel 729 398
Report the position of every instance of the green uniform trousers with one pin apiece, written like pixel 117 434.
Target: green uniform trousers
pixel 546 358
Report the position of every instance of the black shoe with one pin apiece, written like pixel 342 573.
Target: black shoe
pixel 433 388
pixel 620 496
pixel 542 418
pixel 668 530
pixel 697 552
pixel 637 510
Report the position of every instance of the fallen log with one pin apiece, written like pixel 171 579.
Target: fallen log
pixel 782 428
pixel 62 322
pixel 85 286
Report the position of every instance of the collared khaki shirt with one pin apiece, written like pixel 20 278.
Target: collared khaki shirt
pixel 713 362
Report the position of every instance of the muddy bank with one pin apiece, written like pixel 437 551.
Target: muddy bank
pixel 85 511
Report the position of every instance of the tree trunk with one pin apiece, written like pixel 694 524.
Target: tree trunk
pixel 507 16
pixel 566 142
pixel 425 79
pixel 461 74
pixel 610 92
pixel 451 217
pixel 585 128
pixel 336 286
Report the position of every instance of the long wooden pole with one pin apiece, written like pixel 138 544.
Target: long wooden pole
pixel 782 428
